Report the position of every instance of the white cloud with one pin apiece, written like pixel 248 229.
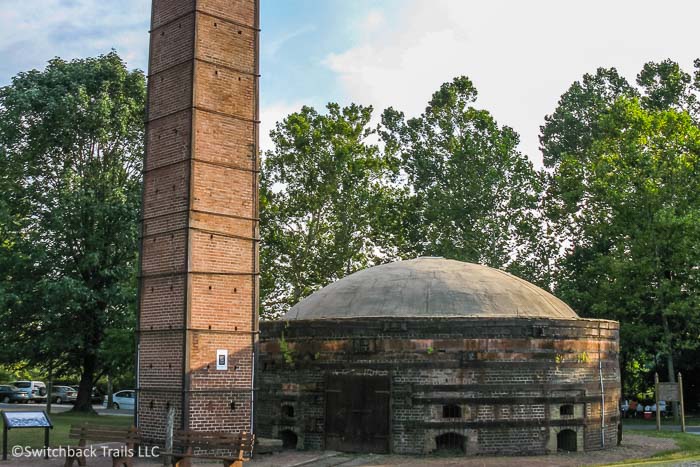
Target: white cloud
pixel 271 47
pixel 32 32
pixel 521 55
pixel 270 115
pixel 373 21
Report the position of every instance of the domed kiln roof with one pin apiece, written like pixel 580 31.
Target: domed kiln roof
pixel 430 288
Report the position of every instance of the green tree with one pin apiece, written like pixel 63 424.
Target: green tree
pixel 473 196
pixel 666 86
pixel 323 192
pixel 71 146
pixel 574 124
pixel 596 238
pixel 630 207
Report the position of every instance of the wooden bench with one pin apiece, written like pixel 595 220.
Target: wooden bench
pixel 236 447
pixel 105 434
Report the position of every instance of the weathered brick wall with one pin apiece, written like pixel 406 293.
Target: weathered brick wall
pixel 199 266
pixel 509 377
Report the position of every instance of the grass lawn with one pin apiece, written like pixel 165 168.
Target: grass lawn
pixel 688 448
pixel 665 421
pixel 34 437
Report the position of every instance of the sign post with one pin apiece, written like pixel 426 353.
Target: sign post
pixel 658 408
pixel 25 419
pixel 4 441
pixel 680 397
pixel 669 392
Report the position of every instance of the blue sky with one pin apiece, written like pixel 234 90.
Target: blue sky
pixel 522 55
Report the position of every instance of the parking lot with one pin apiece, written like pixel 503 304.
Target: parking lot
pixel 57 408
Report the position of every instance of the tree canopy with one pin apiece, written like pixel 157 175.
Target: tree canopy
pixel 473 195
pixel 322 192
pixel 450 182
pixel 622 198
pixel 71 148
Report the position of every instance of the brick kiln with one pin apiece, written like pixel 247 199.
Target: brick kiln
pixel 428 354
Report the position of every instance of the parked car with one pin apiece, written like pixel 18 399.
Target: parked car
pixel 35 390
pixel 61 394
pixel 624 407
pixel 96 397
pixel 9 393
pixel 123 399
pixel 662 408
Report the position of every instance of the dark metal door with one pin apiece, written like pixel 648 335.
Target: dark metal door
pixel 357 413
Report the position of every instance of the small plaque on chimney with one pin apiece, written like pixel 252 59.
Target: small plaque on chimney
pixel 222 359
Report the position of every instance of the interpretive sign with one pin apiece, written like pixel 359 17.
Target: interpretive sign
pixel 669 392
pixel 25 419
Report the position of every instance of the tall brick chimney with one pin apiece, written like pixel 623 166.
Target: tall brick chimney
pixel 198 291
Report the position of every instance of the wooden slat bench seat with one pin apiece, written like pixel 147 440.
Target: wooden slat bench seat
pixel 128 437
pixel 231 448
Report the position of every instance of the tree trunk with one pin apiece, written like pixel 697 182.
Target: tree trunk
pixel 110 389
pixel 84 401
pixel 669 365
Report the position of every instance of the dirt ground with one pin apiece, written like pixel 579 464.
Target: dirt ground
pixel 634 446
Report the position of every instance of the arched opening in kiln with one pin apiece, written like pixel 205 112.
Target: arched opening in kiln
pixel 450 443
pixel 566 440
pixel 289 439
